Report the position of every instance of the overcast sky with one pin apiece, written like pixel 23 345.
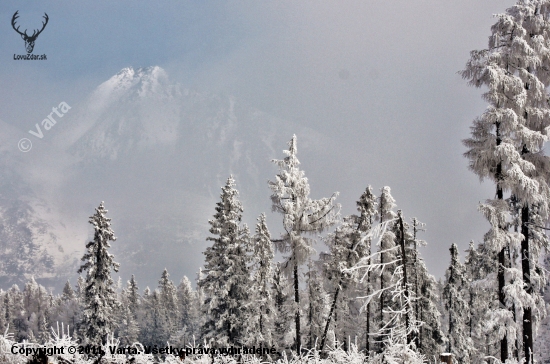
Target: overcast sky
pixel 379 77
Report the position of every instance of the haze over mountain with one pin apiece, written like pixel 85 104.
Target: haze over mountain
pixel 157 154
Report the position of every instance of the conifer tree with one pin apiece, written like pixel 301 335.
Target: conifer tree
pixel 507 147
pixel 301 215
pixel 347 246
pixel 386 204
pixel 3 311
pixel 367 210
pixel 187 302
pixel 399 325
pixel 480 265
pixel 128 332
pixel 387 254
pixel 133 296
pixel 460 344
pixel 169 306
pixel 158 320
pixel 263 281
pixel 145 320
pixel 44 329
pixel 430 336
pixel 283 315
pixel 317 304
pixel 99 294
pixel 226 275
pixel 68 292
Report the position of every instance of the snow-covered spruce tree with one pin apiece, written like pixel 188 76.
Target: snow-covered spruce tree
pixel 472 264
pixel 387 253
pixel 129 327
pixel 423 285
pixel 347 246
pixel 3 322
pixel 157 320
pixel 414 243
pixel 226 275
pixel 456 286
pixel 187 306
pixel 68 292
pixel 400 325
pixel 263 281
pixel 80 292
pixel 367 212
pixel 430 334
pixel 317 304
pixel 44 335
pixel 133 296
pixel 169 302
pixel 507 142
pixel 37 307
pixel 301 215
pixel 99 294
pixel 14 307
pixel 283 317
pixel 145 318
pixel 482 296
pixel 199 300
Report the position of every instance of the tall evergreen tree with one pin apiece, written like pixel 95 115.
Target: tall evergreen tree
pixel 133 296
pixel 460 344
pixel 169 306
pixel 348 245
pixel 158 320
pixel 387 255
pixel 480 267
pixel 226 276
pixel 263 281
pixel 145 319
pixel 301 215
pixel 99 294
pixel 128 329
pixel 317 300
pixel 507 146
pixel 430 336
pixel 367 210
pixel 283 316
pixel 187 306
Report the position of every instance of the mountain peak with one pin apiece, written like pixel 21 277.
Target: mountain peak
pixel 143 80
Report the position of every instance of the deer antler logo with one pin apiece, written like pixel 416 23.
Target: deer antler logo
pixel 29 39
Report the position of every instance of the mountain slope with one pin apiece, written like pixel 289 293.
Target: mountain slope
pixel 157 154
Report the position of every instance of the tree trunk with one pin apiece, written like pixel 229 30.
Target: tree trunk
pixel 381 345
pixel 515 353
pixel 340 282
pixel 367 334
pixel 501 255
pixel 405 281
pixel 332 308
pixel 502 298
pixel 450 312
pixel 310 314
pixel 526 270
pixel 297 316
pixel 261 323
pixel 417 304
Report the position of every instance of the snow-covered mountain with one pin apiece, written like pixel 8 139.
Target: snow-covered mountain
pixel 157 154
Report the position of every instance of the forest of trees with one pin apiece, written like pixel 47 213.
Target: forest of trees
pixel 368 291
